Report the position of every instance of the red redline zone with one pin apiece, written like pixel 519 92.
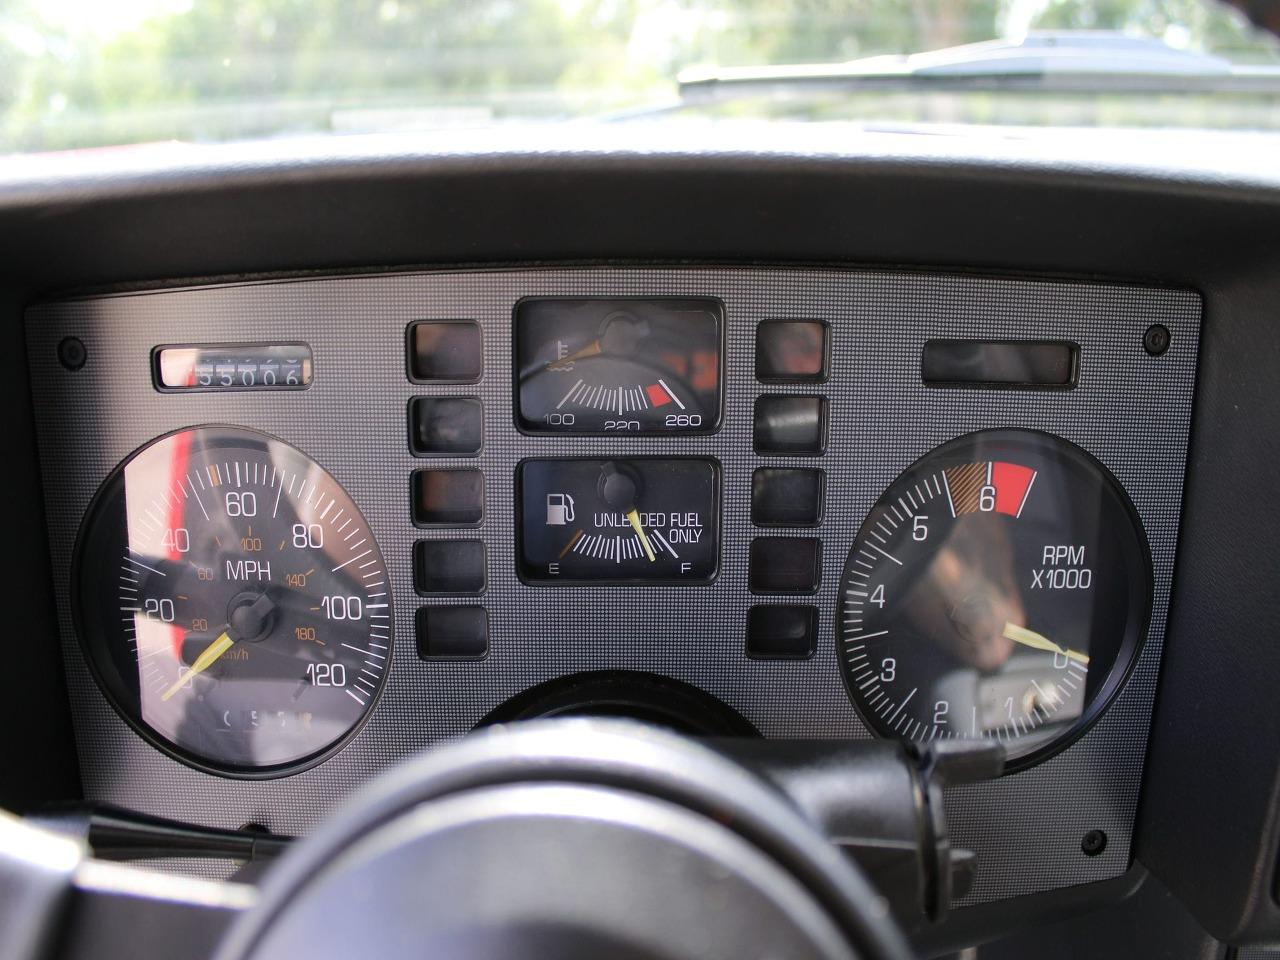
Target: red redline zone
pixel 1011 481
pixel 658 396
pixel 966 483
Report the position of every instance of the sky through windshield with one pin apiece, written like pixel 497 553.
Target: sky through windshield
pixel 81 73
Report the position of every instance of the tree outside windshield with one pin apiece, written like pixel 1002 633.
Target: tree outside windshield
pixel 83 73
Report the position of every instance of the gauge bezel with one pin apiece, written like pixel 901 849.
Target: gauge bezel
pixel 1142 579
pixel 106 687
pixel 722 325
pixel 717 500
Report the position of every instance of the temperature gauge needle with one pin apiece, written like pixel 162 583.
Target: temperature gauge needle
pixel 633 518
pixel 1030 638
pixel 592 349
pixel 208 657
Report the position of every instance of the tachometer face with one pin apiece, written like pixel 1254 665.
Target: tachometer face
pixel 618 366
pixel 1000 588
pixel 232 601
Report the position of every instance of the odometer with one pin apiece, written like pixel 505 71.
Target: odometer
pixel 232 601
pixel 999 588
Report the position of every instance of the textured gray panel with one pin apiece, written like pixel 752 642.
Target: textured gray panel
pixel 1129 410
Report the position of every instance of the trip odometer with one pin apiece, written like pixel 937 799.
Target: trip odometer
pixel 1000 588
pixel 232 602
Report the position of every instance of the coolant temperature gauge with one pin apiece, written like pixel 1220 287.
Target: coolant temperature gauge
pixel 619 366
pixel 639 520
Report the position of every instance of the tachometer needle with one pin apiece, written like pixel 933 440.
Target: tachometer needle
pixel 208 657
pixel 633 518
pixel 1030 638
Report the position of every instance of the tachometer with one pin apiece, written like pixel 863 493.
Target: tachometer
pixel 232 601
pixel 999 588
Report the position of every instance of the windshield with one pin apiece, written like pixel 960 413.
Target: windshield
pixel 85 73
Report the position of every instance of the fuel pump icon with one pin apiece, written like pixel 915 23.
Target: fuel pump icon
pixel 559 509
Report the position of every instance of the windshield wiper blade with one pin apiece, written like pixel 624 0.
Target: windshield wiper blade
pixel 1062 62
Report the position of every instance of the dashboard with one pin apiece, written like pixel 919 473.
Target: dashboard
pixel 962 313
pixel 304 528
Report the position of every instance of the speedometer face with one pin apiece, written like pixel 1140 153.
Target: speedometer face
pixel 232 601
pixel 999 588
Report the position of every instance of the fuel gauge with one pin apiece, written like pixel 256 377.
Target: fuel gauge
pixel 639 520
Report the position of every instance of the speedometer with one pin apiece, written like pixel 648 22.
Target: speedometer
pixel 232 602
pixel 999 588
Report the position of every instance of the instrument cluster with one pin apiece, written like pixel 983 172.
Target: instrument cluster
pixel 312 527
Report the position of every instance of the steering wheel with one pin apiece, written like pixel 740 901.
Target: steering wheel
pixel 568 839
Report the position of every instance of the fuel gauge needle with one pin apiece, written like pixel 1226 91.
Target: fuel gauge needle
pixel 208 657
pixel 1030 638
pixel 633 518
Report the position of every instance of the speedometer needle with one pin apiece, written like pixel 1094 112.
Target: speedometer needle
pixel 208 657
pixel 633 518
pixel 1030 638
